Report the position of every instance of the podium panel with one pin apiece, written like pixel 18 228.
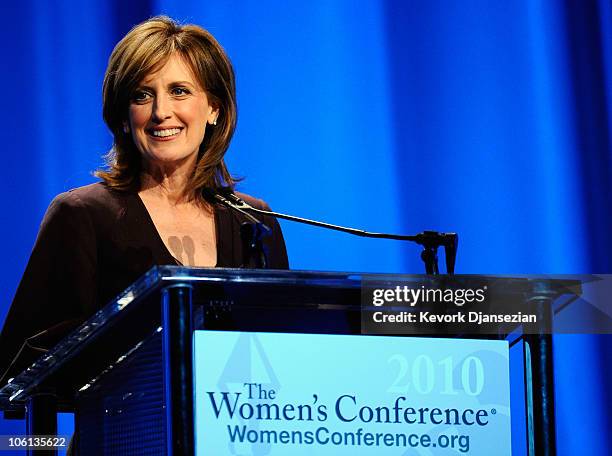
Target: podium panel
pixel 303 394
pixel 230 361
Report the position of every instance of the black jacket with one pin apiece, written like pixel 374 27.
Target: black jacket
pixel 94 242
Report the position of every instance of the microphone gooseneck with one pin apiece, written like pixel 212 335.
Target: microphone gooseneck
pixel 429 240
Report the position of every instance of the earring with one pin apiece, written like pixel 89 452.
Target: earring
pixel 126 128
pixel 215 121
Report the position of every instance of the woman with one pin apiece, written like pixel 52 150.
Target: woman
pixel 169 101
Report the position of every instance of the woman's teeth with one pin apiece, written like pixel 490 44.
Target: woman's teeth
pixel 165 133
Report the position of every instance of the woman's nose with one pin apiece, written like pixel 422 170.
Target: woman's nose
pixel 161 108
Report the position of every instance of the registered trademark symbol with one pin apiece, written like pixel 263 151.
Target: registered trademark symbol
pixel 493 411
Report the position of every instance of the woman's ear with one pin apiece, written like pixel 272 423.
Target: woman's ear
pixel 214 115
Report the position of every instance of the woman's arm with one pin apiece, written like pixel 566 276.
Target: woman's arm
pixel 58 285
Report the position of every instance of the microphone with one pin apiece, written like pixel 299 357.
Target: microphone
pixel 252 233
pixel 226 196
pixel 429 240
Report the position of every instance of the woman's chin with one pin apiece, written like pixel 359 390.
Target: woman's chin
pixel 169 159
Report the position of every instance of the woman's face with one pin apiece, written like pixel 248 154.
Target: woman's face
pixel 168 115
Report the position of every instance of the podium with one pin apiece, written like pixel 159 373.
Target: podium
pixel 128 372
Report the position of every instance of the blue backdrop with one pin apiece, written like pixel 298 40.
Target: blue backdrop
pixel 491 119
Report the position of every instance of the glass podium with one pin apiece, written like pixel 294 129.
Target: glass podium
pixel 128 372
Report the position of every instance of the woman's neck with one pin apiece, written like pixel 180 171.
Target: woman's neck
pixel 166 183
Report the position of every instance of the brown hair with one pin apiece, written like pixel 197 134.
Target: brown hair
pixel 142 51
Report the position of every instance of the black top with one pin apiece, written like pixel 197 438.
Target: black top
pixel 92 244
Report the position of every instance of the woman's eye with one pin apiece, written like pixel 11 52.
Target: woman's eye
pixel 139 96
pixel 178 91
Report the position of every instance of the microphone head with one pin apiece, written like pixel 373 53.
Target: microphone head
pixel 225 191
pixel 228 192
pixel 212 195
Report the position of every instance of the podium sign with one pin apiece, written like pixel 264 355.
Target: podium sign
pixel 302 394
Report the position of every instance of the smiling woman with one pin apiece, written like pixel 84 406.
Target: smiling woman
pixel 167 118
pixel 169 101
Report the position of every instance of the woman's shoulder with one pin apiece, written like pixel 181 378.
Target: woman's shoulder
pixel 96 196
pixel 97 202
pixel 96 193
